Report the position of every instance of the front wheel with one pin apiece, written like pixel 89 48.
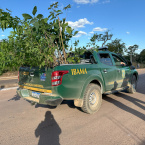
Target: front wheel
pixel 133 86
pixel 92 99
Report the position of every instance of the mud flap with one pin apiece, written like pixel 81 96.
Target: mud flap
pixel 78 102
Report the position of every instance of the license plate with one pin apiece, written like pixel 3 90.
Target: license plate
pixel 35 94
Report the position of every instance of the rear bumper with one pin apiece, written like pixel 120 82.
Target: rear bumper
pixel 44 98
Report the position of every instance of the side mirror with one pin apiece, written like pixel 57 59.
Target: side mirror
pixel 129 63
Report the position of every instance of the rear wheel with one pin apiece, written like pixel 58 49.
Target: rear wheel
pixel 92 99
pixel 133 86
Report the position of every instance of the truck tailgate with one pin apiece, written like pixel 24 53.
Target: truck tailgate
pixel 35 78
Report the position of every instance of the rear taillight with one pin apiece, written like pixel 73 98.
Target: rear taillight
pixel 56 77
pixel 18 75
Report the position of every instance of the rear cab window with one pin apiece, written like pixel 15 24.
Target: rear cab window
pixel 105 58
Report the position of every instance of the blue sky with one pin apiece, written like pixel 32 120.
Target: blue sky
pixel 124 18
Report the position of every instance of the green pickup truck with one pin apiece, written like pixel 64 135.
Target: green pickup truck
pixel 98 73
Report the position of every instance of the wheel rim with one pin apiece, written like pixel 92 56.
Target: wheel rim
pixel 134 86
pixel 93 99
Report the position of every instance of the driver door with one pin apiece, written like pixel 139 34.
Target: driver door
pixel 108 71
pixel 123 71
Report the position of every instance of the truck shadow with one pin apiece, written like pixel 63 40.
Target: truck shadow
pixel 48 131
pixel 142 143
pixel 125 107
pixel 135 101
pixel 15 98
pixel 44 106
pixel 70 103
pixel 141 84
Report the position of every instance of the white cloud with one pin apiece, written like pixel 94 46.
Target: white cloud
pixel 80 23
pixel 78 6
pixel 100 29
pixel 127 32
pixel 2 35
pixel 91 32
pixel 80 33
pixel 86 1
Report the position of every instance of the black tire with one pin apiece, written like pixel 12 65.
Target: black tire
pixel 133 86
pixel 92 99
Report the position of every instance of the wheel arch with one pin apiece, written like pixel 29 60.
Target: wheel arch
pixel 97 83
pixel 96 80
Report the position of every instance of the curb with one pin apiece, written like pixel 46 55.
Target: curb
pixel 5 89
pixel 8 86
pixel 9 78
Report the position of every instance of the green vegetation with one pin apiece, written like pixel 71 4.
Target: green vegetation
pixel 35 40
pixel 41 41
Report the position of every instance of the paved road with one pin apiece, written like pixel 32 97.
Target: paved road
pixel 120 121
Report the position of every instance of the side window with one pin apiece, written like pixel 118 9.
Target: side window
pixel 105 58
pixel 118 61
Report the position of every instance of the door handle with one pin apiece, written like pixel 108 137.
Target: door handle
pixel 105 71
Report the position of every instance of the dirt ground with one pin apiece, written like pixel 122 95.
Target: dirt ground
pixel 120 121
pixel 9 74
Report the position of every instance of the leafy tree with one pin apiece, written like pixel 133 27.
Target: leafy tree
pixel 41 41
pixel 142 56
pixel 36 40
pixel 116 46
pixel 131 51
pixel 106 37
pixel 74 56
pixel 99 37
